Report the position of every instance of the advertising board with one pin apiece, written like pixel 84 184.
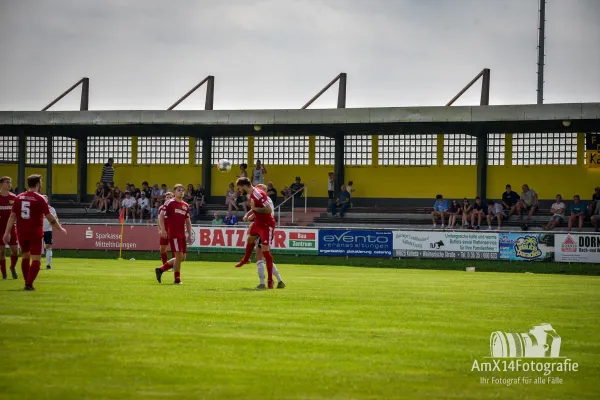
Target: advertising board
pixel 107 237
pixel 358 243
pixel 526 246
pixel 577 248
pixel 233 239
pixel 446 244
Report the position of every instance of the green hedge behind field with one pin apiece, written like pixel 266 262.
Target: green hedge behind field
pixel 366 262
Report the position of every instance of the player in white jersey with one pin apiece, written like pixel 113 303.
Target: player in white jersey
pixel 48 235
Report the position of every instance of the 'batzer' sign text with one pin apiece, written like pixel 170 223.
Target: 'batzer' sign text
pixel 344 242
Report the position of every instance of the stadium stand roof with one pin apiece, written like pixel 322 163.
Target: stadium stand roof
pixel 464 119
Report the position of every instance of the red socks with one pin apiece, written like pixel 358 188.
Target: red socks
pixel 3 268
pixel 25 268
pixel 13 261
pixel 33 272
pixel 166 266
pixel 249 249
pixel 164 257
pixel 177 277
pixel 269 259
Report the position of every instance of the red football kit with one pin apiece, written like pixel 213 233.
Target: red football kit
pixel 264 224
pixel 176 212
pixel 163 241
pixel 30 208
pixel 6 205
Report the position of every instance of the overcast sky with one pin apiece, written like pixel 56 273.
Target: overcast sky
pixel 279 53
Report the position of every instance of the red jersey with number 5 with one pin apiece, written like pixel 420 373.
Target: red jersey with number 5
pixel 31 208
pixel 176 213
pixel 6 205
pixel 261 200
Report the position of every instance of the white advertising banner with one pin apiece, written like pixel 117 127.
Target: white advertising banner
pixel 446 244
pixel 577 248
pixel 233 238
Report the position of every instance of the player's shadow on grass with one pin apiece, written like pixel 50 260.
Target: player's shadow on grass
pixel 251 290
pixel 12 290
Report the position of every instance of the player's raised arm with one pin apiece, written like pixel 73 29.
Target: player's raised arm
pixel 9 226
pixel 55 224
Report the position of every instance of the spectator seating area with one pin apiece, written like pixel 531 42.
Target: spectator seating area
pixel 393 217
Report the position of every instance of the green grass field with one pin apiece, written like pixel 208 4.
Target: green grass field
pixel 105 329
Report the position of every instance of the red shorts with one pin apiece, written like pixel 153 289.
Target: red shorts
pixel 163 241
pixel 178 245
pixel 264 232
pixel 13 237
pixel 33 246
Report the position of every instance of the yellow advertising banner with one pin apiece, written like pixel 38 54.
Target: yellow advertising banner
pixel 593 158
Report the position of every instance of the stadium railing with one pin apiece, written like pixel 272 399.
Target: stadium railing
pixel 292 198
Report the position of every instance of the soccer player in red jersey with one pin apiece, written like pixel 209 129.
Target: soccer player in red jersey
pixel 164 243
pixel 263 225
pixel 177 212
pixel 6 202
pixel 29 210
pixel 260 260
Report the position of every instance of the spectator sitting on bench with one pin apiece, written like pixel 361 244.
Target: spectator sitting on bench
pixel 440 209
pixel 510 200
pixel 478 211
pixel 495 211
pixel 129 206
pixel 164 191
pixel 595 201
pixel 242 201
pixel 454 212
pixel 466 211
pixel 117 199
pixel 199 194
pixel 528 202
pixel 98 200
pixel 230 219
pixel 297 186
pixel 231 198
pixel 350 190
pixel 188 197
pixel 578 212
pixel 156 194
pixel 557 212
pixel 286 193
pixel 272 193
pixel 218 220
pixel 143 205
pixel 343 202
pixel 595 218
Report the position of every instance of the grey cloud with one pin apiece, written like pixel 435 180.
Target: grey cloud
pixel 279 53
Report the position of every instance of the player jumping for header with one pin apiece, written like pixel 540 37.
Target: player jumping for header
pixel 177 212
pixel 263 226
pixel 29 210
pixel 260 260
